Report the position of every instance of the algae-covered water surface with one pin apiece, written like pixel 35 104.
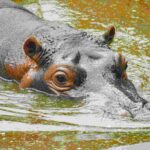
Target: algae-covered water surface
pixel 30 120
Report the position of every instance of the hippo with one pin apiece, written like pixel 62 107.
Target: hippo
pixel 57 59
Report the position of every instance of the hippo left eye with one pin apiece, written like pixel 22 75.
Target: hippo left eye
pixel 61 78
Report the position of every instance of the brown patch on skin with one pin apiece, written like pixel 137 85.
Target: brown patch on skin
pixel 125 76
pixel 123 66
pixel 56 72
pixel 26 81
pixel 21 73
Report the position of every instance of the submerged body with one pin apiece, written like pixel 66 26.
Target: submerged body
pixel 57 59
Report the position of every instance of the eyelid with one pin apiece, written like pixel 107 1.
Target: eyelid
pixel 95 55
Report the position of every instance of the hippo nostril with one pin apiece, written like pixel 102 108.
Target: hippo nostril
pixel 147 105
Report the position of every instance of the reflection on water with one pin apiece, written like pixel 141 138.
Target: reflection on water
pixel 78 124
pixel 68 140
pixel 98 14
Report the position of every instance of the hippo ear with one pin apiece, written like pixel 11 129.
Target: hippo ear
pixel 32 47
pixel 109 35
pixel 120 68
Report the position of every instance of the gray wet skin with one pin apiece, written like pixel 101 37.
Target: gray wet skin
pixel 96 66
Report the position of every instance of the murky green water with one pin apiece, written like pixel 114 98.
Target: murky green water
pixel 29 120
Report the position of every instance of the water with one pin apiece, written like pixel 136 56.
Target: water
pixel 31 120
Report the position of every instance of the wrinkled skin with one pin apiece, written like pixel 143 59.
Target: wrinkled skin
pixel 59 60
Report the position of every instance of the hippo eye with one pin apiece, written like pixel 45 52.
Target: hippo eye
pixel 61 78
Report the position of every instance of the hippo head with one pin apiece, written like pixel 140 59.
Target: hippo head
pixel 77 64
